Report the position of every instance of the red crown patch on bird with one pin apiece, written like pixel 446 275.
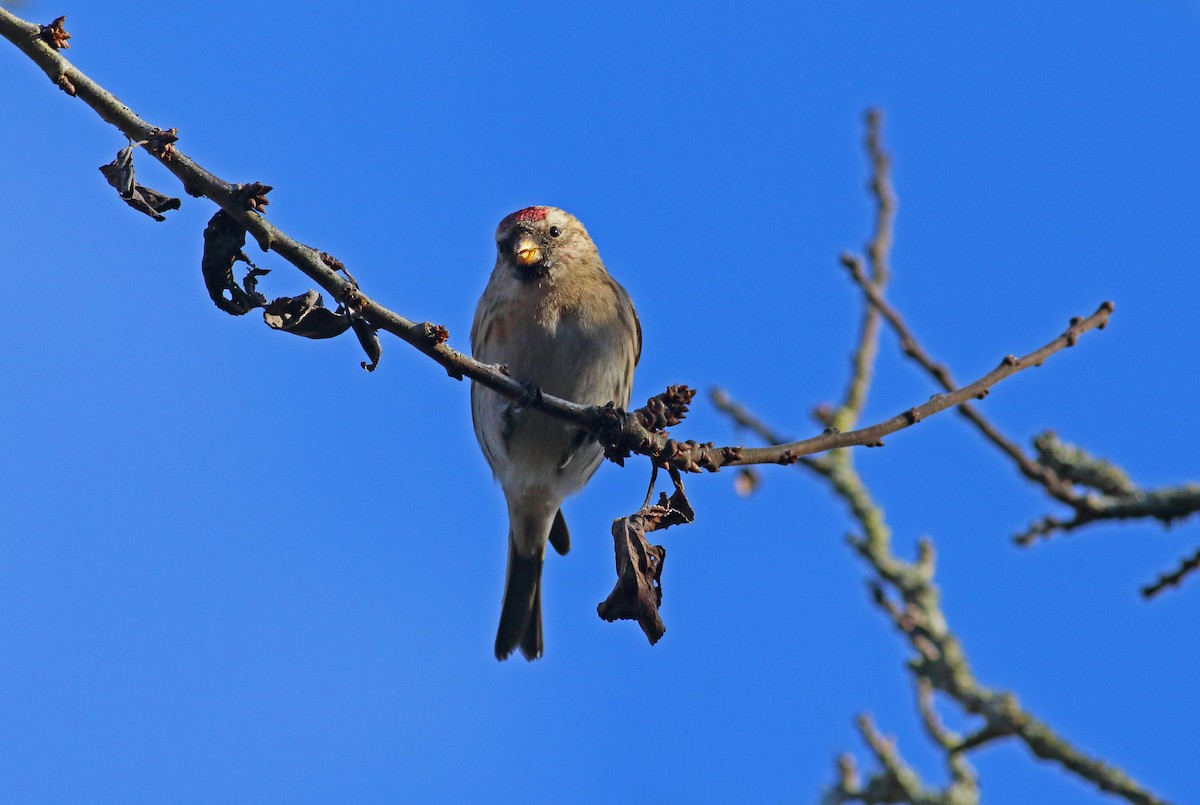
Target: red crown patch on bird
pixel 525 215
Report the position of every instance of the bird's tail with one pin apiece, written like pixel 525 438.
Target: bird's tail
pixel 521 613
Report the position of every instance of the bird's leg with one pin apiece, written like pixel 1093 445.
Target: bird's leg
pixel 531 394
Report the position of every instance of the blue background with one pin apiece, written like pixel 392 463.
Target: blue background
pixel 236 567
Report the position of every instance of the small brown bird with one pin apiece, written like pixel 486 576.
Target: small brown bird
pixel 558 321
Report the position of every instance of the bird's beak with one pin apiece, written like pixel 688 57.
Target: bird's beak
pixel 527 252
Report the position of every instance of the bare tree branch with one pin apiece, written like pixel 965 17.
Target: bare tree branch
pixel 905 592
pixel 620 433
pixel 1058 467
pixel 898 778
pixel 241 203
pixel 941 373
pixel 1187 566
pixel 1113 495
pixel 964 783
pixel 878 249
pixel 873 435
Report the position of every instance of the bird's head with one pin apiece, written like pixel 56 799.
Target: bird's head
pixel 542 242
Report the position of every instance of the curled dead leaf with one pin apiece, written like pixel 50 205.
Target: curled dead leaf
pixel 223 241
pixel 638 591
pixel 120 174
pixel 305 315
pixel 368 337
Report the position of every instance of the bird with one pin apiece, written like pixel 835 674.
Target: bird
pixel 556 321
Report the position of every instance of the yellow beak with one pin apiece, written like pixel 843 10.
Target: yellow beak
pixel 528 252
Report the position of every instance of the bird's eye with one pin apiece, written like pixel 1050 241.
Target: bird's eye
pixel 555 231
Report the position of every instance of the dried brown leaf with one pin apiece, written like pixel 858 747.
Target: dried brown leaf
pixel 638 591
pixel 223 241
pixel 305 315
pixel 120 174
pixel 368 337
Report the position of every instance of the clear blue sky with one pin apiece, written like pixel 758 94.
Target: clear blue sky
pixel 235 567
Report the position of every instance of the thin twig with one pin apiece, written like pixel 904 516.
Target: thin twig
pixel 934 728
pixel 1165 505
pixel 1187 566
pixel 650 486
pixel 873 435
pixel 1058 467
pixel 878 250
pixel 898 777
pixel 1111 496
pixel 941 373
